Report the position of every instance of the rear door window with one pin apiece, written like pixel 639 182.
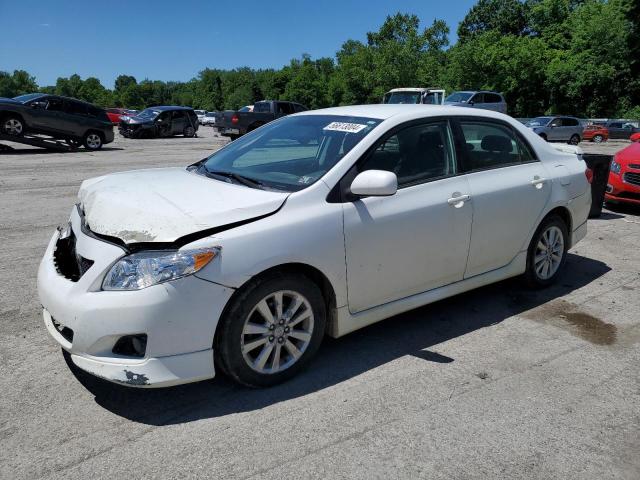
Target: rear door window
pixel 569 122
pixel 492 98
pixel 492 145
pixel 75 108
pixel 55 104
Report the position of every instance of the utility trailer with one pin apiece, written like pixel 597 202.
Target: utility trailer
pixel 37 141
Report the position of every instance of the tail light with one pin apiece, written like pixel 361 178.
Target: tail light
pixel 234 119
pixel 589 174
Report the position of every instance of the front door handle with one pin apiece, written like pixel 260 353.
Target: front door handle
pixel 458 201
pixel 538 182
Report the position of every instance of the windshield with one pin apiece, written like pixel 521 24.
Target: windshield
pixel 403 97
pixel 461 97
pixel 288 154
pixel 148 114
pixel 27 97
pixel 538 122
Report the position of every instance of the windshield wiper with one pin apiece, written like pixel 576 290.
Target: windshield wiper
pixel 249 182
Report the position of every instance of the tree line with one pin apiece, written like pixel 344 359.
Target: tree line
pixel 579 57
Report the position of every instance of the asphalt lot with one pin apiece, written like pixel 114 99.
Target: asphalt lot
pixel 502 382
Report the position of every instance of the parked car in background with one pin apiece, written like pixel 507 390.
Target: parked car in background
pixel 163 121
pixel 557 128
pixel 624 176
pixel 595 133
pixel 620 129
pixel 200 114
pixel 76 122
pixel 114 114
pixel 484 99
pixel 318 223
pixel 234 124
pixel 426 96
pixel 209 119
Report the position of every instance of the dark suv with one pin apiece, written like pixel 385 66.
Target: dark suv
pixel 162 121
pixel 76 122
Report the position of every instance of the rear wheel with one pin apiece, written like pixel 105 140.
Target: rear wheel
pixel 189 131
pixel 13 125
pixel 574 140
pixel 598 138
pixel 271 330
pixel 547 252
pixel 92 141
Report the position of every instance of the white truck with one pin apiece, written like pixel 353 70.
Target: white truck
pixel 429 96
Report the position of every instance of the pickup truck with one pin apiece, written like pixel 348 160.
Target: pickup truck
pixel 235 123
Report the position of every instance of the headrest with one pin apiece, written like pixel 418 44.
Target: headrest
pixel 496 143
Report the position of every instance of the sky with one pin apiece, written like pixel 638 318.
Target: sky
pixel 174 40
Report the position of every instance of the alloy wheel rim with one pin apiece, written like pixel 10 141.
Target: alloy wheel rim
pixel 93 140
pixel 597 139
pixel 549 252
pixel 13 126
pixel 277 332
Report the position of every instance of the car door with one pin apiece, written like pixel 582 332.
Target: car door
pixel 178 122
pixel 509 189
pixel 615 130
pixel 417 239
pixel 47 115
pixel 477 101
pixel 494 102
pixel 554 131
pixel 74 118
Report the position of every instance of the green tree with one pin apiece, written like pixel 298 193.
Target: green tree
pixel 17 83
pixel 507 17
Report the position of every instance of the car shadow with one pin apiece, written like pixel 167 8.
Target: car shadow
pixel 620 209
pixel 412 333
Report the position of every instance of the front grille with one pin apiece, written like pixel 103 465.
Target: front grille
pixel 67 261
pixel 66 332
pixel 632 178
pixel 635 166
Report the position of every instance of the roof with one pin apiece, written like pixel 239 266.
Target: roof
pixel 414 89
pixel 385 111
pixel 163 108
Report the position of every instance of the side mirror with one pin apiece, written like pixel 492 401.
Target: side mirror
pixel 374 183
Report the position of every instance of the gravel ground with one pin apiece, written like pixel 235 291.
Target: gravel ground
pixel 499 383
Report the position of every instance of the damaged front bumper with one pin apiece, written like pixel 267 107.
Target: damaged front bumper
pixel 177 318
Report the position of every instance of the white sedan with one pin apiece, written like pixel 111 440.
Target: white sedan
pixel 318 223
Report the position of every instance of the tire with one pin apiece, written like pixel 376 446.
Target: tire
pixel 597 139
pixel 552 227
pixel 249 357
pixel 13 125
pixel 189 131
pixel 92 141
pixel 574 140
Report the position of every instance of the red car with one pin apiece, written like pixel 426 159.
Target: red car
pixel 595 133
pixel 624 176
pixel 114 114
pixel 635 137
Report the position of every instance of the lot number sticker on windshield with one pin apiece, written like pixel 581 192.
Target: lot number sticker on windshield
pixel 344 127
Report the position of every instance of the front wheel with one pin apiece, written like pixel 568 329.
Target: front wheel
pixel 547 252
pixel 271 330
pixel 574 140
pixel 92 141
pixel 189 131
pixel 13 125
pixel 598 138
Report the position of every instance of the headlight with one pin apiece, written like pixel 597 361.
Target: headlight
pixel 141 270
pixel 615 166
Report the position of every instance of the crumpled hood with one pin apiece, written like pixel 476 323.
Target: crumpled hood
pixel 135 120
pixel 164 204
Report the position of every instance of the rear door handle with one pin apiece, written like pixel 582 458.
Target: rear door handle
pixel 459 200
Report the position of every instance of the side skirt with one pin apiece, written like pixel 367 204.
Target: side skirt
pixel 346 322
